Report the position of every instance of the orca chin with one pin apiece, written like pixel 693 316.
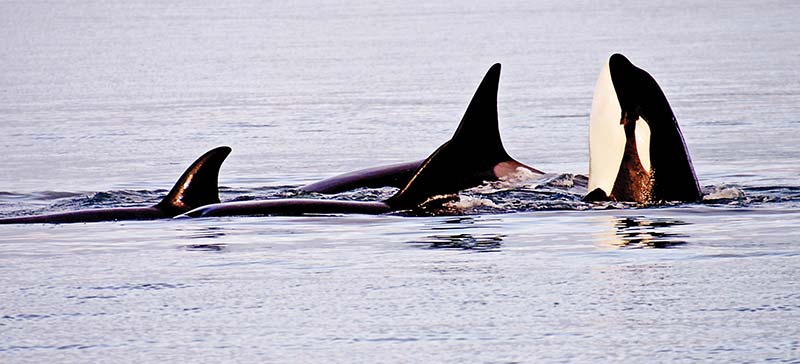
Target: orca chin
pixel 636 149
pixel 476 150
pixel 197 187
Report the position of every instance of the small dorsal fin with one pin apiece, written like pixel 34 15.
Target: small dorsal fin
pixel 435 176
pixel 467 159
pixel 198 186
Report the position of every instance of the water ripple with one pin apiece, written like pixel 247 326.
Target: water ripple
pixel 555 192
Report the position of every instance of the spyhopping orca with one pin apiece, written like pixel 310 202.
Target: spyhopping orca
pixel 196 187
pixel 636 149
pixel 476 147
pixel 473 155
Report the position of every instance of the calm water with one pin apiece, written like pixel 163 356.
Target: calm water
pixel 105 103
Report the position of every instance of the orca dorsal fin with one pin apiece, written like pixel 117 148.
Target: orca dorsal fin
pixel 479 129
pixel 198 186
pixel 435 176
pixel 467 159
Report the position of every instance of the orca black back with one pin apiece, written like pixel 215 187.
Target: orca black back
pixel 468 158
pixel 197 186
pixel 475 152
pixel 473 155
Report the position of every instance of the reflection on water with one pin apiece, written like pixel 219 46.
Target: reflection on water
pixel 205 247
pixel 637 232
pixel 477 242
pixel 452 234
pixel 204 233
pixel 454 223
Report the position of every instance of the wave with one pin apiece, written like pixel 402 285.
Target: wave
pixel 551 192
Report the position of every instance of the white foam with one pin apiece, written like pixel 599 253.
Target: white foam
pixel 522 177
pixel 723 193
pixel 468 202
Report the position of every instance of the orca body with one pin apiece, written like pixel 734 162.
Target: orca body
pixel 476 146
pixel 636 149
pixel 474 155
pixel 393 175
pixel 197 186
pixel 291 207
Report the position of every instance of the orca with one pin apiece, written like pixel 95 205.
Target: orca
pixel 477 141
pixel 436 176
pixel 474 155
pixel 196 187
pixel 636 149
pixel 393 175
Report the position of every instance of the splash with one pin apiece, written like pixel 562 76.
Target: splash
pixel 525 192
pixel 722 193
pixel 469 202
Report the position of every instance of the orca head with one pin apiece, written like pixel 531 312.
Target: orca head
pixel 636 149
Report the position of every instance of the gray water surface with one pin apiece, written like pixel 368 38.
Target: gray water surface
pixel 105 103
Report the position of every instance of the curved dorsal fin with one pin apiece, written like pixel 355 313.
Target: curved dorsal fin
pixel 435 176
pixel 478 130
pixel 198 185
pixel 468 158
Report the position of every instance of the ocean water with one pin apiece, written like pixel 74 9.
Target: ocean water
pixel 104 103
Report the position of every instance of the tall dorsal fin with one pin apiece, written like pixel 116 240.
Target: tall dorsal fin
pixel 478 130
pixel 198 185
pixel 467 159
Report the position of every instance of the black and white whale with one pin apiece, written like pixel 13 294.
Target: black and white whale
pixel 477 139
pixel 196 187
pixel 636 149
pixel 474 155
